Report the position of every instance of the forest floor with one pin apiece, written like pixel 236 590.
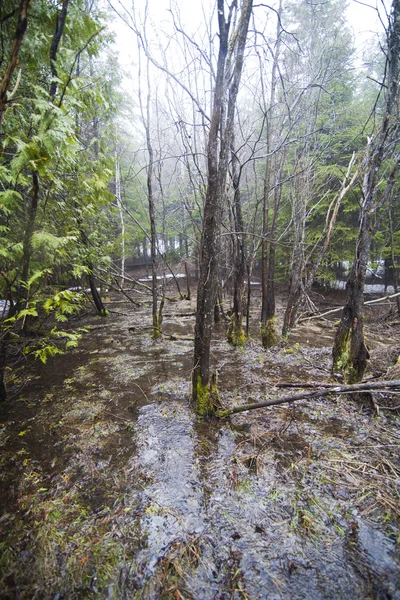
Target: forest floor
pixel 112 488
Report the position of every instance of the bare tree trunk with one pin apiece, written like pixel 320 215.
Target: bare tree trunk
pixel 297 259
pixel 204 387
pixel 350 353
pixel 27 242
pixel 145 114
pixel 60 24
pixel 235 332
pixel 394 261
pixel 249 270
pixel 121 218
pixel 268 335
pixel 95 294
pixel 22 24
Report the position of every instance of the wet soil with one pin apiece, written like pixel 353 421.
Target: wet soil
pixel 112 488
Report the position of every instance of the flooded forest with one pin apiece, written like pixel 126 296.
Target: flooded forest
pixel 199 300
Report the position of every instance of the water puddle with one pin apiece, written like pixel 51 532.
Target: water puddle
pixel 113 489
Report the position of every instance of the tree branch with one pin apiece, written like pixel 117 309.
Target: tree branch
pixel 323 393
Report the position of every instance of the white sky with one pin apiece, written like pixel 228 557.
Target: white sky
pixel 362 16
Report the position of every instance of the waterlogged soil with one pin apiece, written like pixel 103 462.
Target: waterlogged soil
pixel 112 488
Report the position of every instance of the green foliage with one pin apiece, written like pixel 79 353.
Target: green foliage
pixel 59 231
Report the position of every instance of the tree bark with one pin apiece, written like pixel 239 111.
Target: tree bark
pixel 268 335
pixel 22 25
pixel 145 115
pixel 204 388
pixel 121 218
pixel 55 42
pixel 297 259
pixel 235 332
pixel 30 224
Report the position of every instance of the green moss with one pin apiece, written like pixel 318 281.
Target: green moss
pixel 268 334
pixel 205 396
pixel 223 413
pixel 235 333
pixel 157 333
pixel 214 394
pixel 342 360
pixel 157 321
pixel 201 395
pixel 341 354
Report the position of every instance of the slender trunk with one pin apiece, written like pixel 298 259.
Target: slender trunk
pixel 297 260
pixel 22 24
pixel 96 294
pixel 204 387
pixel 145 115
pixel 30 224
pixel 121 218
pixel 187 272
pixel 60 24
pixel 249 271
pixel 395 270
pixel 153 233
pixel 268 335
pixel 235 332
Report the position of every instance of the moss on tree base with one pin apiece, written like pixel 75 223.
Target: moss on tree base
pixel 205 396
pixel 349 361
pixel 235 333
pixel 268 334
pixel 157 321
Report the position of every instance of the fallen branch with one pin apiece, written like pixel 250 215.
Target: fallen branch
pixel 330 312
pixel 174 337
pixel 322 393
pixel 120 289
pixel 306 385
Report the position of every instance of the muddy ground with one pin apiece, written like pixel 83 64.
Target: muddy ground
pixel 112 488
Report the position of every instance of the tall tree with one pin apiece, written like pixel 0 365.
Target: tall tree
pixel 235 334
pixel 316 68
pixel 228 75
pixel 271 190
pixel 380 163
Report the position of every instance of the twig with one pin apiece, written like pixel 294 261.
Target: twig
pixel 138 386
pixel 106 412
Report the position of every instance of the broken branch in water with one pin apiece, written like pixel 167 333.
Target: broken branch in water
pixel 321 393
